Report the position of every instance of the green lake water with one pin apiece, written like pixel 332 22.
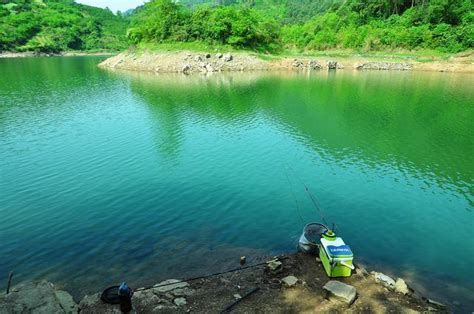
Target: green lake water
pixel 108 176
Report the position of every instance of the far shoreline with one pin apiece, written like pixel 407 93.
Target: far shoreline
pixel 190 61
pixel 184 60
pixel 33 54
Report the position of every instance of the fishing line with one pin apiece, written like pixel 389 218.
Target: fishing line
pixel 294 197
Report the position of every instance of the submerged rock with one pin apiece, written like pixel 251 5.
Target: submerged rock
pixel 340 291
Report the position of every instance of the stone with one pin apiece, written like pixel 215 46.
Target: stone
pixel 297 63
pixel 290 281
pixel 314 65
pixel 186 68
pixel 209 68
pixel 208 55
pixel 228 57
pixel 197 58
pixel 218 55
pixel 401 286
pixel 169 285
pixel 341 291
pixel 160 308
pixel 180 301
pixel 385 280
pixel 225 281
pixel 237 296
pixel 274 265
pixel 37 297
pixel 436 303
pixel 332 65
pixel 243 259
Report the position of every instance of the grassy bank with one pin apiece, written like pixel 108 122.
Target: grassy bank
pixel 419 55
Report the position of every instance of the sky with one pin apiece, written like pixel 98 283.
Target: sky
pixel 114 5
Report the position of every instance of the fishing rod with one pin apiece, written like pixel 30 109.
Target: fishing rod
pixel 311 196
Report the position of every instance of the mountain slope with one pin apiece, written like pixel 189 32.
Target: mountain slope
pixel 58 25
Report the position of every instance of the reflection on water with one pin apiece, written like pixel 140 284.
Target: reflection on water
pixel 109 176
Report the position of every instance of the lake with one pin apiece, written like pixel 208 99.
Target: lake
pixel 110 176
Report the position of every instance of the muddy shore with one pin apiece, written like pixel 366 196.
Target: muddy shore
pixel 192 62
pixel 291 283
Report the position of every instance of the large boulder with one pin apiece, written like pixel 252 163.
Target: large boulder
pixel 340 291
pixel 37 297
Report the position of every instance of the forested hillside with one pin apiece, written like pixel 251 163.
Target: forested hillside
pixel 58 25
pixel 268 25
pixel 445 25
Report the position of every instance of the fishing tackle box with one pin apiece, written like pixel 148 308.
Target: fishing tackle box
pixel 336 257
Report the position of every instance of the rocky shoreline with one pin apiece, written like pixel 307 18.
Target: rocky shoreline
pixel 191 62
pixel 290 283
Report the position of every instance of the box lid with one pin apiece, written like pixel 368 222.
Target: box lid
pixel 337 248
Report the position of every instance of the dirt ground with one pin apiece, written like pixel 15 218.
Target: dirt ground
pixel 216 293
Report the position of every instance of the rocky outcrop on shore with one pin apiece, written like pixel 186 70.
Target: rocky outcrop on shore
pixel 37 297
pixel 185 62
pixel 293 283
pixel 192 62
